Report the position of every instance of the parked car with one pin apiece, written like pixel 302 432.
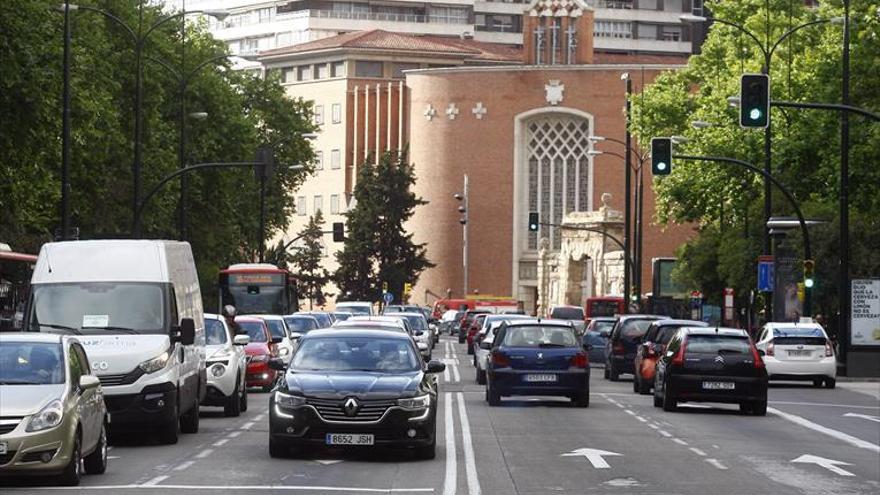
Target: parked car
pixel 483 343
pixel 227 366
pixel 798 351
pixel 538 358
pixel 260 349
pixel 485 324
pixel 652 347
pixel 356 388
pixel 53 414
pixel 711 365
pixel 138 306
pixel 472 329
pixel 574 314
pixel 448 320
pixel 300 325
pixel 620 351
pixel 355 307
pixel 467 318
pixel 278 329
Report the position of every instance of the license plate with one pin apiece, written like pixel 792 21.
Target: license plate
pixel 540 378
pixel 349 439
pixel 3 448
pixel 718 385
pixel 799 353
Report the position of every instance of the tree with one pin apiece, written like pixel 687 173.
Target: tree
pixel 306 262
pixel 377 248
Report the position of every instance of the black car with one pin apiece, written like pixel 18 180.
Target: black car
pixel 620 351
pixel 355 387
pixel 711 365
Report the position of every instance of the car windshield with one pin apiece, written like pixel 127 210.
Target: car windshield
pixel 635 328
pixel 356 354
pixel 255 330
pixel 394 309
pixel 99 307
pixel 567 313
pixel 603 326
pixel 301 324
pixel 539 336
pixel 323 319
pixel 31 363
pixel 342 316
pixel 215 332
pixel 718 344
pixel 276 328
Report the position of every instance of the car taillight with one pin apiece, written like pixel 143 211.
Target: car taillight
pixel 500 359
pixel 618 348
pixel 579 360
pixel 771 349
pixel 678 359
pixel 759 363
pixel 829 351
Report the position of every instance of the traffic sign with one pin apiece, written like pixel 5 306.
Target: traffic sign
pixel 766 273
pixel 387 297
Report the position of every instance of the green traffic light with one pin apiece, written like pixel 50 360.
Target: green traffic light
pixel 661 165
pixel 755 114
pixel 808 283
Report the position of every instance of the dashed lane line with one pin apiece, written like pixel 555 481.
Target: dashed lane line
pixel 183 465
pixel 679 441
pixel 204 453
pixel 716 463
pixel 247 426
pixel 698 451
pixel 220 443
pixel 234 434
pixel 665 433
pixel 155 481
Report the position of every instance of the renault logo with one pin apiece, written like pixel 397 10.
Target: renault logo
pixel 100 365
pixel 350 406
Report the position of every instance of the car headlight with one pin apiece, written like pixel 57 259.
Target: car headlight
pixel 283 351
pixel 157 363
pixel 259 358
pixel 289 401
pixel 49 417
pixel 420 402
pixel 217 370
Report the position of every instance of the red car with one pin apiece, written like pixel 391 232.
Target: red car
pixel 472 331
pixel 261 348
pixel 466 322
pixel 652 348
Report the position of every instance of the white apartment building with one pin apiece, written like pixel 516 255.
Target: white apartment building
pixel 623 26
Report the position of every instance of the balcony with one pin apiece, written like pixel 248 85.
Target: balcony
pixel 386 17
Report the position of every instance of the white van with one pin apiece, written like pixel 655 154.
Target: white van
pixel 137 308
pixel 357 308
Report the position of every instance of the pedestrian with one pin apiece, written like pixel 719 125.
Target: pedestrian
pixel 229 315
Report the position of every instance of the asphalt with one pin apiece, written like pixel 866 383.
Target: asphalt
pixel 521 447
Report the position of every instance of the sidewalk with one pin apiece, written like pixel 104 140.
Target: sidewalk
pixel 870 388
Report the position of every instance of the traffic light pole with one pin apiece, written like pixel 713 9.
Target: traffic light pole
pixel 769 177
pixel 627 208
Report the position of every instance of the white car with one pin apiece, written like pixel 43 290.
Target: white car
pixel 485 337
pixel 227 366
pixel 355 307
pixel 278 328
pixel 798 351
pixel 395 320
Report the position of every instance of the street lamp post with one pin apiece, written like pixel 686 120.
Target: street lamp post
pixel 627 248
pixel 464 209
pixel 65 129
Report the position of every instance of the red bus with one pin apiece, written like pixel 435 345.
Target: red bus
pixel 603 306
pixel 258 289
pixel 15 278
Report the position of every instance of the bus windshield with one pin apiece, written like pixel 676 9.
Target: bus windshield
pixel 266 292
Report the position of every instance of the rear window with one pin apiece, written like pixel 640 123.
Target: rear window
pixel 798 336
pixel 567 313
pixel 635 328
pixel 603 326
pixel 301 325
pixel 718 344
pixel 539 336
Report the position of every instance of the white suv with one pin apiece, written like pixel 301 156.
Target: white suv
pixel 226 364
pixel 798 351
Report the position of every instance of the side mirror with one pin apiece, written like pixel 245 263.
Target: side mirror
pixel 187 331
pixel 485 345
pixel 241 340
pixel 88 381
pixel 295 335
pixel 436 367
pixel 761 353
pixel 276 364
pixel 277 340
pixel 419 333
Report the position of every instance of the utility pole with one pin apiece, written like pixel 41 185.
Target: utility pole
pixel 843 291
pixel 627 209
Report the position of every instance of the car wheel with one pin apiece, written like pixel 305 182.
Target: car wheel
pixel 278 448
pixel 644 387
pixel 189 422
pixel 817 383
pixel 244 397
pixel 669 402
pixel 582 400
pixel 461 338
pixel 830 382
pixel 233 403
pixel 613 373
pixel 636 386
pixel 759 408
pixel 493 397
pixel 607 372
pixel 428 452
pixel 658 401
pixel 170 433
pixel 73 471
pixel 481 377
pixel 96 462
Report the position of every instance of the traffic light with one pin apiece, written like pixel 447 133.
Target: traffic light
pixel 661 156
pixel 809 266
pixel 338 231
pixel 533 221
pixel 754 101
pixel 266 159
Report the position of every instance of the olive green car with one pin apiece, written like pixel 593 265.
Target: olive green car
pixel 52 412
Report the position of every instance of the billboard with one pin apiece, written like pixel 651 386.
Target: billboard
pixel 865 312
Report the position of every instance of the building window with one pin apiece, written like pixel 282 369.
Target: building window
pixel 319 203
pixel 670 33
pixel 398 68
pixel 447 15
pixel 697 9
pixel 334 159
pixel 558 172
pixel 613 29
pixel 288 75
pixel 337 113
pixel 319 160
pixel 319 114
pixel 301 206
pixel 304 73
pixel 264 15
pixel 337 69
pixel 364 68
pixel 320 71
pixel 334 204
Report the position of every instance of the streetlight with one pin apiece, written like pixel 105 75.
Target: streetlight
pixel 463 209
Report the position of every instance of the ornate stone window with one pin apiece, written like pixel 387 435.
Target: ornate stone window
pixel 558 171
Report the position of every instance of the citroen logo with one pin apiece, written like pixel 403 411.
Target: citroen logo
pixel 100 365
pixel 719 359
pixel 350 406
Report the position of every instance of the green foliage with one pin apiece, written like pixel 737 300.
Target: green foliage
pixel 306 262
pixel 377 248
pixel 243 112
pixel 806 66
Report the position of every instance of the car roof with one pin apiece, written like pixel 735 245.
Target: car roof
pixel 642 317
pixel 687 323
pixel 603 318
pixel 213 316
pixel 410 313
pixel 727 332
pixel 252 319
pixel 779 324
pixel 270 317
pixel 298 315
pixel 362 332
pixel 41 337
pixel 343 313
pixel 368 324
pixel 550 322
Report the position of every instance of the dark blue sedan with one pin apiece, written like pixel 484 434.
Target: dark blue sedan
pixel 543 357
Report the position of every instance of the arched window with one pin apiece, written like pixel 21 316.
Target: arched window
pixel 558 171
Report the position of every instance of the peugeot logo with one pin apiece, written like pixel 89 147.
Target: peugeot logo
pixel 540 356
pixel 100 365
pixel 719 359
pixel 350 406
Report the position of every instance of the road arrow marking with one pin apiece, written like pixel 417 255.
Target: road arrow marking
pixel 595 456
pixel 863 416
pixel 829 464
pixel 328 462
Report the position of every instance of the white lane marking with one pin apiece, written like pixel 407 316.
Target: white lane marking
pixel 716 463
pixel 328 462
pixel 595 456
pixel 184 465
pixel 863 416
pixel 856 442
pixel 829 464
pixel 451 475
pixel 470 462
pixel 220 443
pixel 245 488
pixel 113 457
pixel 153 482
pixel 234 434
pixel 247 426
pixel 620 405
pixel 652 425
pixel 259 417
pixel 455 376
pixel 446 375
pixel 204 453
pixel 823 404
pixel 698 451
pixel 665 433
pixel 643 420
pixel 679 441
pixel 631 413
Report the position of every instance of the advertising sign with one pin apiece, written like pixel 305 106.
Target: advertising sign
pixel 865 312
